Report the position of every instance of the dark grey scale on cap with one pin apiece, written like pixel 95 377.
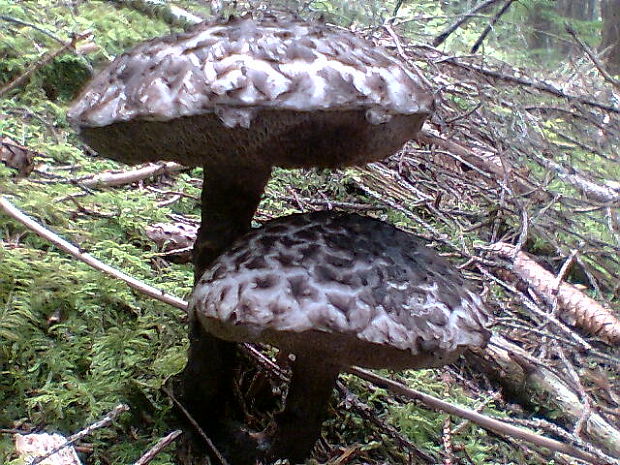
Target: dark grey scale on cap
pixel 396 304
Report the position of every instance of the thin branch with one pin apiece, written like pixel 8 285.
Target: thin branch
pixel 10 19
pixel 446 439
pixel 158 447
pixel 129 177
pixel 200 431
pixel 105 421
pixel 484 421
pixel 588 51
pixel 330 203
pixel 453 27
pixel 527 379
pixel 74 251
pixel 399 3
pixel 489 27
pixel 367 413
pixel 538 85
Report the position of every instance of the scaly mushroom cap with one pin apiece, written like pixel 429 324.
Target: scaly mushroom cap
pixel 351 288
pixel 284 93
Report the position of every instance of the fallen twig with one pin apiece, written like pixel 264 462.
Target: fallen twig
pixel 105 421
pixel 525 380
pixel 446 439
pixel 129 177
pixel 10 19
pixel 158 447
pixel 75 252
pixel 218 455
pixel 606 194
pixel 366 412
pixel 485 421
pixel 574 306
pixel 524 81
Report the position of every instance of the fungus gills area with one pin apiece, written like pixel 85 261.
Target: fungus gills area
pixel 288 139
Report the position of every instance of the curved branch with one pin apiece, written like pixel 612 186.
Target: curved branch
pixel 453 27
pixel 485 421
pixel 15 213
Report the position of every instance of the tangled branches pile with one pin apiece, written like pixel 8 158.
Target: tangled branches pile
pixel 517 175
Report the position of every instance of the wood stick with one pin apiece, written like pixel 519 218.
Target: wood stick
pixel 7 207
pixel 105 421
pixel 158 447
pixel 453 27
pixel 486 422
pixel 489 27
pixel 129 177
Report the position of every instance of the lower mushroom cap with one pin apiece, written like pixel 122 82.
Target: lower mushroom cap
pixel 289 139
pixel 354 288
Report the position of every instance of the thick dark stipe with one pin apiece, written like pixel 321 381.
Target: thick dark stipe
pixel 299 424
pixel 229 199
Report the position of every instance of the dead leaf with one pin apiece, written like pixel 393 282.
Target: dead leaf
pixel 16 156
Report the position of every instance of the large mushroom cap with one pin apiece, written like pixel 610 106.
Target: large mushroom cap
pixel 298 94
pixel 352 288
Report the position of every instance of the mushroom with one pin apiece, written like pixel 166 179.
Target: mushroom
pixel 243 95
pixel 337 290
pixel 238 97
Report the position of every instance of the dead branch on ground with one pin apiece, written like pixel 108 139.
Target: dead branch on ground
pixel 154 451
pixel 575 307
pixel 108 179
pixel 8 208
pixel 44 60
pixel 105 421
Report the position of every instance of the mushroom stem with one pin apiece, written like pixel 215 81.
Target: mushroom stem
pixel 230 196
pixel 207 378
pixel 299 425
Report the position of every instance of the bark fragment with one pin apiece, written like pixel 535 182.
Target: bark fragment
pixel 575 308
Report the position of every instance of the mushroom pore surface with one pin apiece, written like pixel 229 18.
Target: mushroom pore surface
pixel 351 288
pixel 271 91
